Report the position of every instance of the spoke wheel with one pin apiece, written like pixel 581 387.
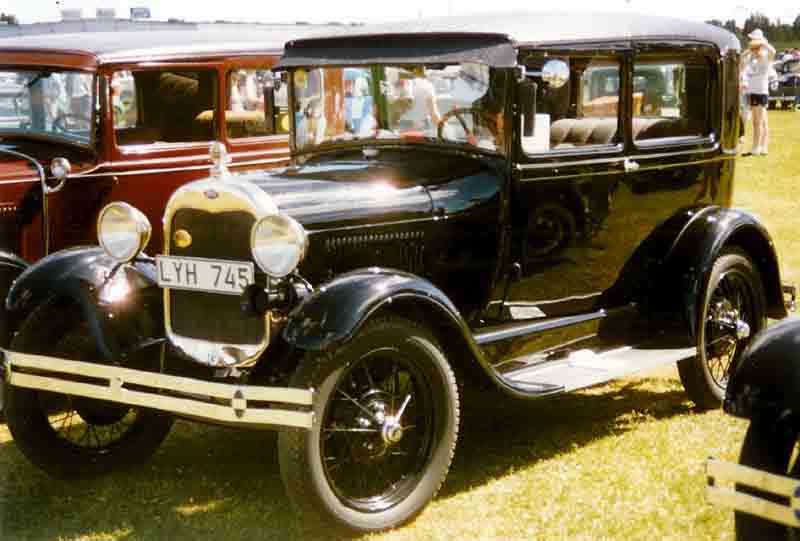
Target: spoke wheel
pixel 733 311
pixel 732 307
pixel 386 422
pixel 70 436
pixel 377 431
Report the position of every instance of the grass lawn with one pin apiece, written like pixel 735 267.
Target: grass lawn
pixel 781 46
pixel 618 462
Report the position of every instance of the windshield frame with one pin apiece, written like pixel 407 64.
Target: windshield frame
pixel 502 150
pixel 96 108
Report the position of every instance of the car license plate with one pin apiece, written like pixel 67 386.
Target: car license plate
pixel 210 275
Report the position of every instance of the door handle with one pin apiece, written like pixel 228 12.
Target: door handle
pixel 631 166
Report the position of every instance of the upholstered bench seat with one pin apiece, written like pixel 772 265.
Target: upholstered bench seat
pixel 569 132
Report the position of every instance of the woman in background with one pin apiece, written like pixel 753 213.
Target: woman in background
pixel 756 63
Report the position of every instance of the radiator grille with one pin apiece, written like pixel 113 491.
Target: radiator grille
pixel 207 316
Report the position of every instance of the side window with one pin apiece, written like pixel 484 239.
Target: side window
pixel 257 104
pixel 670 99
pixel 581 113
pixel 154 106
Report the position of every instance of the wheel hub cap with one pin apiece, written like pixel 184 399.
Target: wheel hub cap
pixel 727 317
pixel 392 431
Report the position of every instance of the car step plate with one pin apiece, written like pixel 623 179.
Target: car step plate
pixel 584 368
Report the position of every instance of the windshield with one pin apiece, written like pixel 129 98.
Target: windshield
pixel 455 104
pixel 46 103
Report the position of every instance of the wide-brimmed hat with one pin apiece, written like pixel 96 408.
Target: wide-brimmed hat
pixel 757 36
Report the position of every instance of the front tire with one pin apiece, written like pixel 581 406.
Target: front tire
pixel 69 436
pixel 767 446
pixel 386 416
pixel 735 294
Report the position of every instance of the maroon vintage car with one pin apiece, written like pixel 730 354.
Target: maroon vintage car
pixel 96 117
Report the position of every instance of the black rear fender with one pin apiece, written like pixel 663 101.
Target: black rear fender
pixel 111 296
pixel 682 279
pixel 767 378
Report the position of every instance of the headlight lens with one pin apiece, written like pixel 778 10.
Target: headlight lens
pixel 123 231
pixel 279 244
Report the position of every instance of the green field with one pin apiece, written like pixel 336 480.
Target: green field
pixel 619 462
pixel 780 46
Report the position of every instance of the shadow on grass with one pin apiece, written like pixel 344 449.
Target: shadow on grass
pixel 217 483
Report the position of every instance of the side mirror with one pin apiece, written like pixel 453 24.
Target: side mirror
pixel 555 73
pixel 527 101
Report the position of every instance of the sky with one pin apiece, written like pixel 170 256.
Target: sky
pixel 319 11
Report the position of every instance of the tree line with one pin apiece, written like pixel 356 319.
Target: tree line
pixel 775 31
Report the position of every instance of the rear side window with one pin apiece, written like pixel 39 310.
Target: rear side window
pixel 168 106
pixel 582 112
pixel 257 104
pixel 670 99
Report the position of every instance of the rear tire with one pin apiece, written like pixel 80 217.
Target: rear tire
pixel 70 436
pixel 767 446
pixel 352 471
pixel 735 292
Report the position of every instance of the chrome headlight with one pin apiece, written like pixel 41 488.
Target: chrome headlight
pixel 279 244
pixel 123 231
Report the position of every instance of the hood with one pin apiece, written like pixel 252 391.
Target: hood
pixel 14 168
pixel 352 190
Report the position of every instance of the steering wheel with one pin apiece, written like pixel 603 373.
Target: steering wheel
pixel 459 113
pixel 60 122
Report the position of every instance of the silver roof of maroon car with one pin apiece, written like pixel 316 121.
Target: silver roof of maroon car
pixel 121 46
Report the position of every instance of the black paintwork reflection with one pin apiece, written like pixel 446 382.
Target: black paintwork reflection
pixel 434 214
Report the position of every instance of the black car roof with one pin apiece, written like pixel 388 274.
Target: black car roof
pixel 121 46
pixel 448 38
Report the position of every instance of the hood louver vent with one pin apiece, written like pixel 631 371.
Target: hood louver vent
pixel 402 250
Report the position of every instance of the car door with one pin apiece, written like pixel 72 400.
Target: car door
pixel 165 118
pixel 568 239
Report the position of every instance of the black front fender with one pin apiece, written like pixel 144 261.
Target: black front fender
pixel 767 378
pixel 90 278
pixel 335 312
pixel 11 266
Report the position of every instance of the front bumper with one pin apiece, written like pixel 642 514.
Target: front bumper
pixel 721 473
pixel 246 405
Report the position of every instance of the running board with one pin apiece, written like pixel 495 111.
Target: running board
pixel 584 368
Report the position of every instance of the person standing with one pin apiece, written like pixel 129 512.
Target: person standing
pixel 756 63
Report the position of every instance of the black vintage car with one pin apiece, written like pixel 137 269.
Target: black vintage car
pixel 472 202
pixel 784 92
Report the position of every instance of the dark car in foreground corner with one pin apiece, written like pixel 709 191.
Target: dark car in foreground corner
pixel 536 203
pixel 764 488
